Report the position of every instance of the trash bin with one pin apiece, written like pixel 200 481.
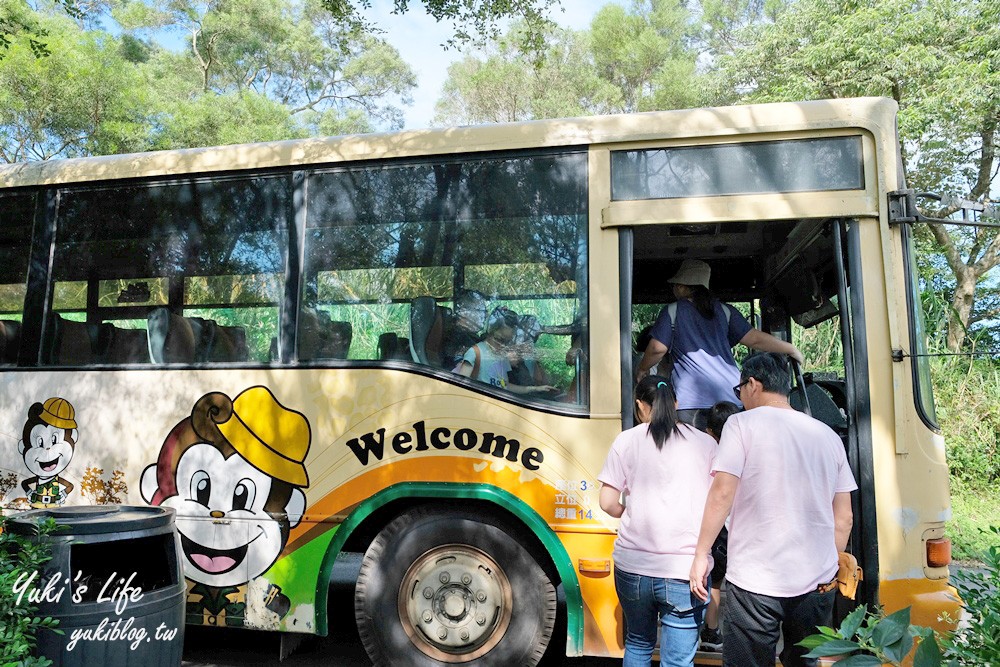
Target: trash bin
pixel 115 584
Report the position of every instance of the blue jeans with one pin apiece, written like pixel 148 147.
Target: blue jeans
pixel 648 600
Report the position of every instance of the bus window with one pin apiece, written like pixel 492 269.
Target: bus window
pixel 390 250
pixel 181 272
pixel 16 214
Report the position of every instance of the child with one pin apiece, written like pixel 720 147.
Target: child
pixel 711 638
pixel 489 360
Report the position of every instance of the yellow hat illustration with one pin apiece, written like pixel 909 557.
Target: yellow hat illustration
pixel 271 437
pixel 58 412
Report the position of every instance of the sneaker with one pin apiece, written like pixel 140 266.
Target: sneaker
pixel 711 639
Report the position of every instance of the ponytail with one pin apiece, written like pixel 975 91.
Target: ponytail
pixel 656 391
pixel 703 300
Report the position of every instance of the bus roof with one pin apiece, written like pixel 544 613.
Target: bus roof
pixel 872 113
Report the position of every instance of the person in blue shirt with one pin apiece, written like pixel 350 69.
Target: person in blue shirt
pixel 701 344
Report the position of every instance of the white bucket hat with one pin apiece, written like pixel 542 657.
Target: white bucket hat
pixel 692 272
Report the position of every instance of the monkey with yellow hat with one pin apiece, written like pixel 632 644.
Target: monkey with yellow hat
pixel 234 472
pixel 48 441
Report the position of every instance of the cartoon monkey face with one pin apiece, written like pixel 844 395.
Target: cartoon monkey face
pixel 210 486
pixel 236 504
pixel 48 450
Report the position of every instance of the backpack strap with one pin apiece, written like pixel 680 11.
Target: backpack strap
pixel 475 366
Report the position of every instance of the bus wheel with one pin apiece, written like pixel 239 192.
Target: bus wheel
pixel 446 586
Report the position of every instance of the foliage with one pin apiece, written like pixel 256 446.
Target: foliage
pixel 21 554
pixel 471 19
pixel 103 491
pixel 18 22
pixel 974 510
pixel 872 640
pixel 977 641
pixel 966 391
pixel 920 53
pixel 635 59
pixel 507 86
pixel 85 98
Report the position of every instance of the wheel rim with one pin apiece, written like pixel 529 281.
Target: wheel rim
pixel 455 603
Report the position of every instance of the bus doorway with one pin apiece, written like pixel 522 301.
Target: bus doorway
pixel 800 281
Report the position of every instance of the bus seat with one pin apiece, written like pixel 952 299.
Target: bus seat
pixel 10 340
pixel 312 324
pixel 76 343
pixel 222 343
pixel 392 347
pixel 426 331
pixel 173 339
pixel 323 338
pixel 821 405
pixel 127 346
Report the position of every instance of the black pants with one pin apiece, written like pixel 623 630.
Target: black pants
pixel 754 622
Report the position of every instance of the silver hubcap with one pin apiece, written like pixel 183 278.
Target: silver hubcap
pixel 455 603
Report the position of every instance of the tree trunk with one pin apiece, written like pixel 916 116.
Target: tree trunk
pixel 961 307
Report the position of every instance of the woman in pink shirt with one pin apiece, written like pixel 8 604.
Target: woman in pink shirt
pixel 662 470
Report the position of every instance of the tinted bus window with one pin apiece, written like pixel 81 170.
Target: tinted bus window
pixel 804 165
pixel 187 273
pixel 429 250
pixel 16 214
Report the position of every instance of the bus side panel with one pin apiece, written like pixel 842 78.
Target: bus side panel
pixel 262 465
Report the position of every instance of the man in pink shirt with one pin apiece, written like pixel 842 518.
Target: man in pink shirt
pixel 784 478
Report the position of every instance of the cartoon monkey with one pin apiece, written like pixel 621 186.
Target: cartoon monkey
pixel 234 473
pixel 47 445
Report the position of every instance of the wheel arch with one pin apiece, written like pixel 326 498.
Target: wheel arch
pixel 372 514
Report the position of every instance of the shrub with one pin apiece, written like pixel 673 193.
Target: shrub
pixel 20 554
pixel 874 640
pixel 977 641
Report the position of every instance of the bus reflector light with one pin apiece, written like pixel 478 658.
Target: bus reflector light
pixel 938 552
pixel 594 565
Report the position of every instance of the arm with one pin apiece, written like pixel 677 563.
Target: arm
pixel 654 352
pixel 720 501
pixel 843 519
pixel 465 368
pixel 522 389
pixel 765 342
pixel 611 501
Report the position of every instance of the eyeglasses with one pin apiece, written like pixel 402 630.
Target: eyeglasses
pixel 736 389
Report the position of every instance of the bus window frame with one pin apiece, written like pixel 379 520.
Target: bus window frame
pixel 920 372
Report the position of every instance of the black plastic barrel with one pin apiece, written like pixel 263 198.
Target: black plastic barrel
pixel 114 582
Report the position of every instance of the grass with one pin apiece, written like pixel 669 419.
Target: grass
pixel 973 511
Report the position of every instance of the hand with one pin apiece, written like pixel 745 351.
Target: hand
pixel 699 576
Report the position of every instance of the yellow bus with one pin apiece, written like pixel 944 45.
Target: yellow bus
pixel 267 337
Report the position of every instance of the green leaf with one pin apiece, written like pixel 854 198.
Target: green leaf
pixel 928 654
pixel 852 622
pixel 833 647
pixel 812 641
pixel 898 650
pixel 889 629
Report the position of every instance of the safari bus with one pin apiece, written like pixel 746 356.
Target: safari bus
pixel 266 338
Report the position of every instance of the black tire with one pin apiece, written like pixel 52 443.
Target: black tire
pixel 421 550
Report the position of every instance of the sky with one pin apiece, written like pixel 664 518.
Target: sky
pixel 419 38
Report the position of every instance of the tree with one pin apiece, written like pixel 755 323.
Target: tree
pixel 471 19
pixel 634 59
pixel 17 21
pixel 510 85
pixel 939 59
pixel 293 53
pixel 84 98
